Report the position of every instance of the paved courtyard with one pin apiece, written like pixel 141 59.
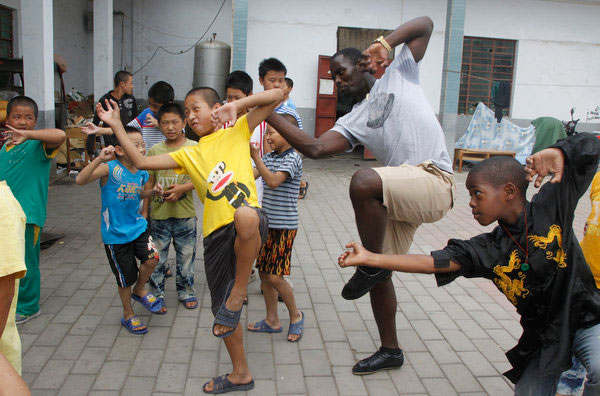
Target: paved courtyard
pixel 454 338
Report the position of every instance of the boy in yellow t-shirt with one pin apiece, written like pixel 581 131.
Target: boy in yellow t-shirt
pixel 234 225
pixel 12 268
pixel 571 381
pixel 591 238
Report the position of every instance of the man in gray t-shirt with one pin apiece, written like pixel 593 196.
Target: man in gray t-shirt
pixel 394 120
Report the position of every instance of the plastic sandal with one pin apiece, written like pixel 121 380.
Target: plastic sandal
pixel 226 317
pixel 149 302
pixel 223 385
pixel 297 328
pixel 263 327
pixel 133 325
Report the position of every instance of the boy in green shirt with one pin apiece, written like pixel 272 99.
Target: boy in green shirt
pixel 173 213
pixel 25 166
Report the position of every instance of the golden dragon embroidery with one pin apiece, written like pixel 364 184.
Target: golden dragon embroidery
pixel 512 288
pixel 541 242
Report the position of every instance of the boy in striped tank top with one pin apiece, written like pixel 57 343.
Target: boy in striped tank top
pixel 281 171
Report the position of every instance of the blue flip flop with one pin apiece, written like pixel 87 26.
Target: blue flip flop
pixel 226 317
pixel 149 302
pixel 223 385
pixel 133 325
pixel 296 328
pixel 188 300
pixel 263 327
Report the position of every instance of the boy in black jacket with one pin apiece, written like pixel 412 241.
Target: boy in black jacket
pixel 532 256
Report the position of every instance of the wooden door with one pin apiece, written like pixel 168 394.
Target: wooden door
pixel 326 97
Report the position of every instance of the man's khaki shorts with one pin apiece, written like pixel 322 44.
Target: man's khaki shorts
pixel 413 195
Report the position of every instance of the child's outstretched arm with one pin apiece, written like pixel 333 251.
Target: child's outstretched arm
pixel 92 129
pixel 97 168
pixel 112 118
pixel 273 179
pixel 262 104
pixel 51 137
pixel 412 263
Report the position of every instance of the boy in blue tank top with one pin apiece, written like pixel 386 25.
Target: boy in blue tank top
pixel 124 229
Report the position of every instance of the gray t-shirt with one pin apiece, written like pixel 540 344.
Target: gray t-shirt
pixel 396 122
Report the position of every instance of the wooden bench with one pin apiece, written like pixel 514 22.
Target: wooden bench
pixel 475 155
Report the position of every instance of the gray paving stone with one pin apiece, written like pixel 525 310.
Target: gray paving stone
pixel 71 347
pixel 77 385
pixel 156 338
pixel 204 364
pixel 424 364
pixel 183 327
pixel 340 354
pixel 90 361
pixel 86 325
pixel 438 386
pixel 320 386
pixel 290 379
pixel 347 383
pixel 125 348
pixel 138 386
pixel 461 378
pixel 35 358
pixel 53 375
pixel 286 352
pixel 478 364
pixel 315 363
pixel 406 379
pixel 442 352
pixel 179 350
pixel 495 386
pixel 426 330
pixel 147 363
pixel 380 387
pixel 261 365
pixel 112 376
pixel 104 336
pixel 53 334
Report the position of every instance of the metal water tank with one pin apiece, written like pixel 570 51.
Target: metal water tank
pixel 211 64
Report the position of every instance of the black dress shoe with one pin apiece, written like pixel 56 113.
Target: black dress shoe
pixel 383 359
pixel 363 282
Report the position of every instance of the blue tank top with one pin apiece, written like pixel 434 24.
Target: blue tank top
pixel 121 196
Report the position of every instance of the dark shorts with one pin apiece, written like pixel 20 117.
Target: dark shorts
pixel 275 255
pixel 122 258
pixel 219 258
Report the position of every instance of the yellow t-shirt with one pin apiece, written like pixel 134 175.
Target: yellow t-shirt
pixel 591 240
pixel 221 171
pixel 12 246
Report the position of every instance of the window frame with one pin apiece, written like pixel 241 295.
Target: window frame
pixel 475 81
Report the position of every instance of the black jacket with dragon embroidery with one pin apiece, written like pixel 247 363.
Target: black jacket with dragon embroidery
pixel 555 293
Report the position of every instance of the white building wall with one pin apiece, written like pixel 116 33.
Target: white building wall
pixel 298 32
pixel 558 54
pixel 175 25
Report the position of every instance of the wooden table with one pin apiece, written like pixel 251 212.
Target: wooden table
pixel 475 155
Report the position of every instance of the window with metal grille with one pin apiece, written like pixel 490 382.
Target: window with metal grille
pixel 6 32
pixel 486 62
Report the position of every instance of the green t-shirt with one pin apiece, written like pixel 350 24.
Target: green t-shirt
pixel 26 170
pixel 182 208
